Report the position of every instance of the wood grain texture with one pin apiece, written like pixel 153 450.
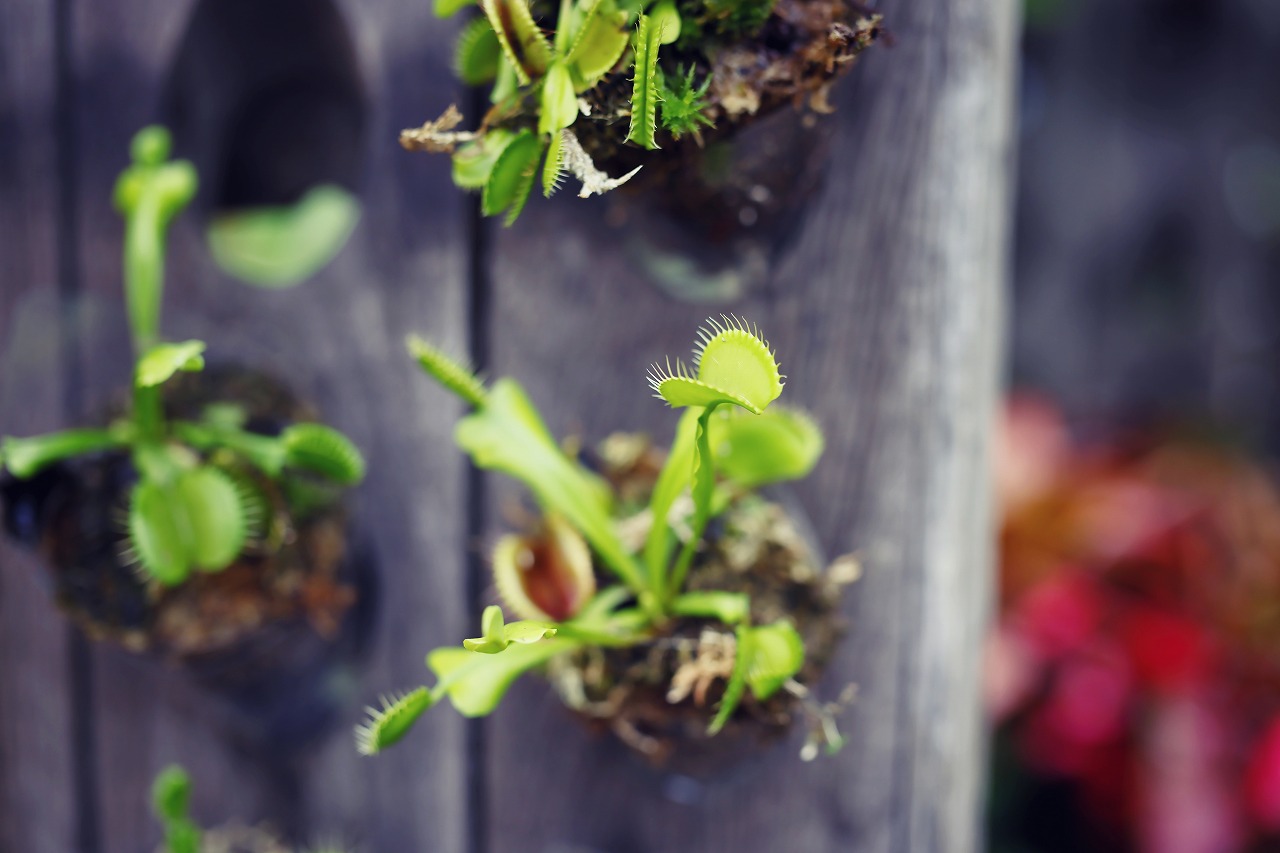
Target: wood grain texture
pixel 37 767
pixel 338 339
pixel 886 313
pixel 885 309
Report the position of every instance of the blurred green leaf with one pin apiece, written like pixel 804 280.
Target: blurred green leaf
pixel 281 246
pixel 163 360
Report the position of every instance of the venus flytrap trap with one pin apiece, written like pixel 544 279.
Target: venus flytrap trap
pixel 621 566
pixel 196 502
pixel 618 78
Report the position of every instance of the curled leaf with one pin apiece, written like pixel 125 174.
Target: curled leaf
pixel 473 161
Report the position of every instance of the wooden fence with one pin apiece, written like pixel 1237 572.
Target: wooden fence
pixel 886 308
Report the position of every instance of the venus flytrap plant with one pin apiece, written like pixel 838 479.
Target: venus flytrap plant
pixel 195 504
pixel 625 74
pixel 730 439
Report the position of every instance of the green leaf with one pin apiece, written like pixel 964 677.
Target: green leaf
pixel 149 193
pixel 564 26
pixel 497 635
pixel 156 534
pixel 777 654
pixel 264 452
pixel 508 83
pixel 163 360
pixel 477 53
pixel 170 799
pixel 171 793
pixel 512 177
pixel 731 608
pixel 559 103
pixel 734 690
pixel 734 365
pixel 776 445
pixel 677 472
pixel 522 42
pixel 279 246
pixel 25 457
pixel 598 44
pixel 208 507
pixel 508 435
pixel 644 92
pixel 449 8
pixel 453 375
pixel 473 161
pixel 475 683
pixel 323 450
pixel 392 722
pixel 666 19
pixel 182 836
pixel 553 166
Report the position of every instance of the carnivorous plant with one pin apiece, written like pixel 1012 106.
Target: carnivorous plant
pixel 559 101
pixel 195 503
pixel 730 438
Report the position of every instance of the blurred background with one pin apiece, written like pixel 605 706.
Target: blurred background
pixel 1133 677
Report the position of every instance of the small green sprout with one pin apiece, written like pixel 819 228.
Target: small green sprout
pixel 171 802
pixel 196 503
pixel 731 436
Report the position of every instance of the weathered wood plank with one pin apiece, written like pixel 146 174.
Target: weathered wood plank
pixel 37 764
pixel 339 341
pixel 887 317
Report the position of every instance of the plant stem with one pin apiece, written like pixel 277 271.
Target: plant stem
pixel 703 488
pixel 144 284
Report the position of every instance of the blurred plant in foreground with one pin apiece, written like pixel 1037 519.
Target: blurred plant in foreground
pixel 1134 672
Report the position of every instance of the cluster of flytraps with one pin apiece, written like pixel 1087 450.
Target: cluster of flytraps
pixel 538 86
pixel 728 432
pixel 199 500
